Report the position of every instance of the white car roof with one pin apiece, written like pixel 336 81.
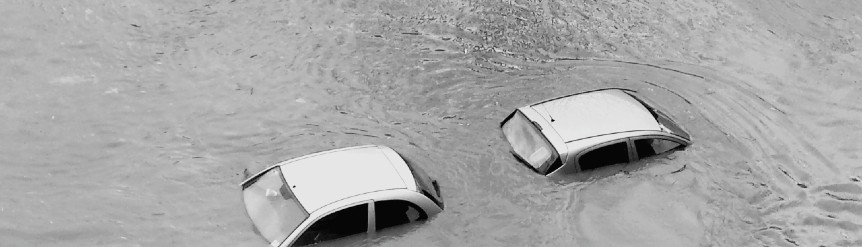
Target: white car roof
pixel 595 113
pixel 322 178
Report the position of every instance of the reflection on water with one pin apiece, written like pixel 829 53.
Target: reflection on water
pixel 128 123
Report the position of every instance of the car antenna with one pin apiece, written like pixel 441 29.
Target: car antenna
pixel 549 113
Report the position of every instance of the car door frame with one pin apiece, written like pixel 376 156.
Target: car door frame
pixel 370 221
pixel 577 158
pixel 633 153
pixel 410 203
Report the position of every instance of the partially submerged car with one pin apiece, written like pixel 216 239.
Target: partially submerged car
pixel 338 193
pixel 588 130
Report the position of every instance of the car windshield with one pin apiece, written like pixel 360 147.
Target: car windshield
pixel 272 207
pixel 527 142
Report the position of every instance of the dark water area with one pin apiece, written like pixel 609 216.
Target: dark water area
pixel 128 123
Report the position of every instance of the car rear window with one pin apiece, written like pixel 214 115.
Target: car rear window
pixel 272 207
pixel 666 122
pixel 528 143
pixel 424 183
pixel 663 120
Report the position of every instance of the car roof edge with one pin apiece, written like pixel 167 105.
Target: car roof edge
pixel 590 91
pixel 261 172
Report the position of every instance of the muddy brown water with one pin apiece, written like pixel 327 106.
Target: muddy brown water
pixel 128 123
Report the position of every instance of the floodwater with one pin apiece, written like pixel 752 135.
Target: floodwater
pixel 128 123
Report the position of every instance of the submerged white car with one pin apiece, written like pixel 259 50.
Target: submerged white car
pixel 588 130
pixel 338 193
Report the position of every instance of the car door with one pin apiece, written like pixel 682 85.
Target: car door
pixel 605 154
pixel 350 221
pixel 645 147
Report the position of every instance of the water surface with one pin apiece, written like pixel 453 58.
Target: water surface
pixel 128 123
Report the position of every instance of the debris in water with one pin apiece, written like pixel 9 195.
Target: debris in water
pixel 680 169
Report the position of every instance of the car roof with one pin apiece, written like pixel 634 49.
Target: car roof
pixel 596 113
pixel 323 178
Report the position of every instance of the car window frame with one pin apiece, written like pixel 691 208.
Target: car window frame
pixel 626 140
pixel 423 213
pixel 633 148
pixel 370 224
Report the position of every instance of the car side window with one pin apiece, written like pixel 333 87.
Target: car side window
pixel 652 146
pixel 343 223
pixel 396 212
pixel 605 156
